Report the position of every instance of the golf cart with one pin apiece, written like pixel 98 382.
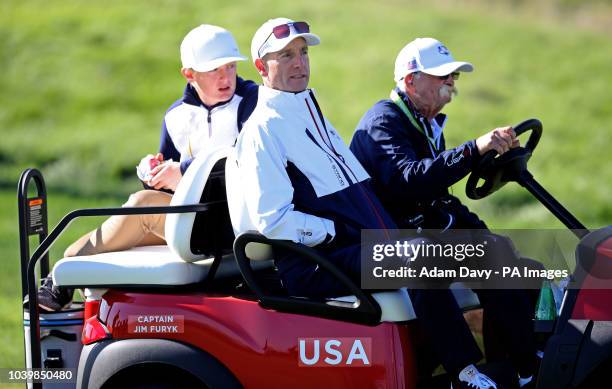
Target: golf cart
pixel 208 310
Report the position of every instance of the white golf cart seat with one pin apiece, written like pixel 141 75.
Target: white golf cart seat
pixel 183 261
pixel 136 267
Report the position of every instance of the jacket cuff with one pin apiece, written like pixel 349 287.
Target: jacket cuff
pixel 330 237
pixel 474 155
pixel 185 165
pixel 330 227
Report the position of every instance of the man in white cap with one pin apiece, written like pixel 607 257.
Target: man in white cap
pixel 400 143
pixel 214 105
pixel 292 177
pixel 211 111
pixel 410 121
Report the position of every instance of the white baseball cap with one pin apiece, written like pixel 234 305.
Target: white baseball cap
pixel 429 56
pixel 207 47
pixel 265 41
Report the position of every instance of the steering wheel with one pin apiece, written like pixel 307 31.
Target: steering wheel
pixel 497 171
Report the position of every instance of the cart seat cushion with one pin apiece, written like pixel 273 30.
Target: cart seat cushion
pixel 394 304
pixel 139 267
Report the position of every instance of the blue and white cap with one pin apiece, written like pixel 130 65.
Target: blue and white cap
pixel 429 56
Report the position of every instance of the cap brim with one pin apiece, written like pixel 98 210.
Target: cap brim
pixel 279 44
pixel 449 68
pixel 212 65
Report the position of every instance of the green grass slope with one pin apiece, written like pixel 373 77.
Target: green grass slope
pixel 84 86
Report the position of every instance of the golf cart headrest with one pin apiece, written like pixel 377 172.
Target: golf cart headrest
pixel 194 236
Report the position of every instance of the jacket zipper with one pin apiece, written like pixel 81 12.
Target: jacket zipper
pixel 330 156
pixel 339 156
pixel 210 123
pixel 210 111
pixel 329 145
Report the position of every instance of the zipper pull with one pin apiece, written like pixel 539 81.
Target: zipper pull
pixel 209 119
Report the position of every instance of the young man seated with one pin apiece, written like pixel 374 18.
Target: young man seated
pixel 209 115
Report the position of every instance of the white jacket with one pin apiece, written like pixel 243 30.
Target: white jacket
pixel 291 174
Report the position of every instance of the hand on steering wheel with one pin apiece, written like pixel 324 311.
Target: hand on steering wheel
pixel 496 170
pixel 501 139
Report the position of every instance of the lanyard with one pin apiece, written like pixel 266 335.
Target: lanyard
pixel 395 97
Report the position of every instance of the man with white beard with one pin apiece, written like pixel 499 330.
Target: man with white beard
pixel 400 143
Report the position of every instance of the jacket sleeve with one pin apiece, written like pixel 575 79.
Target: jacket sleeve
pixel 391 157
pixel 268 192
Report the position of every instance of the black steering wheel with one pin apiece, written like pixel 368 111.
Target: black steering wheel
pixel 496 170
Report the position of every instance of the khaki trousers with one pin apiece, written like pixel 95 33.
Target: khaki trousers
pixel 127 231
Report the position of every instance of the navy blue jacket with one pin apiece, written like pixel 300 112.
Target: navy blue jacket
pixel 406 174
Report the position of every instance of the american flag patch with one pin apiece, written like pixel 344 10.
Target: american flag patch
pixel 412 64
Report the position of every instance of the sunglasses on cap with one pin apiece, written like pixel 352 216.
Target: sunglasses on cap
pixel 454 75
pixel 284 30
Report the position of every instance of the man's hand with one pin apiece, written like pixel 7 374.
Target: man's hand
pixel 166 176
pixel 500 139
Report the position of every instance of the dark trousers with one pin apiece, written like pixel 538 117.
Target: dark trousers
pixel 306 279
pixel 442 321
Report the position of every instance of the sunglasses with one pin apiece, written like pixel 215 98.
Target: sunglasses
pixel 454 75
pixel 284 30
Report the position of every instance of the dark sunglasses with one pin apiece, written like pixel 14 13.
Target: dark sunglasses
pixel 454 75
pixel 284 30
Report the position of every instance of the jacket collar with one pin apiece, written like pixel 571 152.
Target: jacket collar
pixel 190 96
pixel 275 93
pixel 439 118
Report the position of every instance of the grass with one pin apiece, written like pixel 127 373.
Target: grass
pixel 84 87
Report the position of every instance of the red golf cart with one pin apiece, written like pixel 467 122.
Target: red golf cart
pixel 208 309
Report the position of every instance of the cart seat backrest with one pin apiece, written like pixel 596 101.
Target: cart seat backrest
pixel 194 236
pixel 193 240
